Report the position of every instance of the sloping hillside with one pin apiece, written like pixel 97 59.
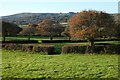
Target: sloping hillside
pixel 26 18
pixel 35 18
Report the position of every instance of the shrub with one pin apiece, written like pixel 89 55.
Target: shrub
pixel 33 48
pixel 74 49
pixel 12 46
pixel 27 48
pixel 44 48
pixel 110 49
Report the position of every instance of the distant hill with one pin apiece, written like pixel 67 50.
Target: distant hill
pixel 35 18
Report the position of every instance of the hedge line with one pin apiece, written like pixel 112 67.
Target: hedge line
pixel 49 49
pixel 73 49
pixel 111 49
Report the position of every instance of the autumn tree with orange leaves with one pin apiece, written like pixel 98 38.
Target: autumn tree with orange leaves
pixel 29 30
pixel 50 27
pixel 89 24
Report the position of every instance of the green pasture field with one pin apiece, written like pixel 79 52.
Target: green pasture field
pixel 32 38
pixel 17 64
pixel 39 38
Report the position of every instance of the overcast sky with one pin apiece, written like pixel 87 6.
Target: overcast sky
pixel 15 6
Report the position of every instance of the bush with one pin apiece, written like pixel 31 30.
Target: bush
pixel 110 49
pixel 33 48
pixel 27 48
pixel 74 49
pixel 10 46
pixel 44 48
pixel 13 46
pixel 49 49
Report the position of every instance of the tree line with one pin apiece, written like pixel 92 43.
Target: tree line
pixel 87 24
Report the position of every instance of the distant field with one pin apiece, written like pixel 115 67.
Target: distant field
pixel 16 64
pixel 39 38
pixel 32 38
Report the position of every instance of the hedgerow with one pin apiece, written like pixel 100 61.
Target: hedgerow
pixel 111 49
pixel 74 49
pixel 30 48
pixel 44 48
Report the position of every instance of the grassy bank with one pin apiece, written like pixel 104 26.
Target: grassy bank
pixel 18 64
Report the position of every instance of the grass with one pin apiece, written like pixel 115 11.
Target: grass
pixel 16 64
pixel 32 38
pixel 111 42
